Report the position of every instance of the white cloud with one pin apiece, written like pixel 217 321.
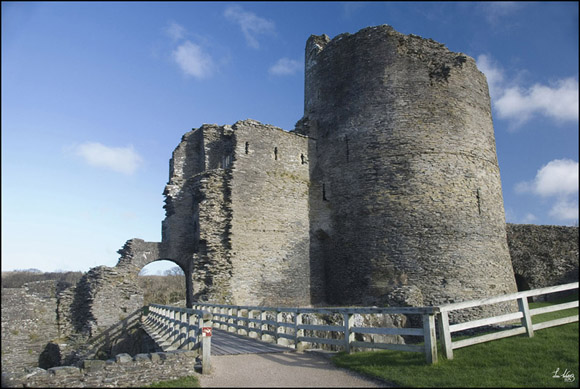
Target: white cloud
pixel 559 101
pixel 565 209
pixel 120 159
pixel 493 73
pixel 193 60
pixel 251 24
pixel 557 179
pixel 175 31
pixel 519 104
pixel 529 218
pixel 285 66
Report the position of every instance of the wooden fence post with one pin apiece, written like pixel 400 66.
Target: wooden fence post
pixel 430 338
pixel 279 328
pixel 205 321
pixel 191 333
pixel 262 320
pixel 183 329
pixel 445 335
pixel 348 336
pixel 526 318
pixel 298 333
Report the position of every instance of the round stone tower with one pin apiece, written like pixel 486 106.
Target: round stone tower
pixel 406 189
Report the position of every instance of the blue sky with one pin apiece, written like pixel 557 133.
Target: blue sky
pixel 95 97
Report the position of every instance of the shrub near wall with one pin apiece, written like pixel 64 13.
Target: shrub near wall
pixel 122 371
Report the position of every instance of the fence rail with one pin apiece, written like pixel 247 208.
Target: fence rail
pixel 182 328
pixel 524 314
pixel 258 321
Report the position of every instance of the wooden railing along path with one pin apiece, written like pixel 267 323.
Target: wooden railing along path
pixel 174 328
pixel 260 321
pixel 524 314
pixel 185 328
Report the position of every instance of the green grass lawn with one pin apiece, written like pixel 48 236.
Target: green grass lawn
pixel 517 361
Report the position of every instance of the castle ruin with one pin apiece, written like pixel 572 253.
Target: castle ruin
pixel 387 192
pixel 388 185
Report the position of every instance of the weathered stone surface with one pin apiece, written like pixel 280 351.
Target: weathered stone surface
pixel 28 323
pixel 543 255
pixel 140 373
pixel 123 358
pixel 408 186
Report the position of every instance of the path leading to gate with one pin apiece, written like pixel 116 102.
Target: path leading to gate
pixel 277 370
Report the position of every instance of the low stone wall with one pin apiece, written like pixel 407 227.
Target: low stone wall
pixel 28 323
pixel 543 255
pixel 122 371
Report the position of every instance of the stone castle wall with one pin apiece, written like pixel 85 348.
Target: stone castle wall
pixel 28 323
pixel 406 168
pixel 269 234
pixel 543 255
pixel 237 209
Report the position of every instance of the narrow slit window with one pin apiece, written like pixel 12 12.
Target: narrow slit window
pixel 302 159
pixel 247 147
pixel 347 149
pixel 324 192
pixel 478 196
pixel 275 153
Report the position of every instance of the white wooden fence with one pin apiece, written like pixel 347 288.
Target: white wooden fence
pixel 260 321
pixel 182 328
pixel 524 314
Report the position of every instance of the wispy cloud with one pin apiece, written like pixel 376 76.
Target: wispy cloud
pixel 349 8
pixel 495 11
pixel 558 179
pixel 251 24
pixel 119 159
pixel 529 218
pixel 519 104
pixel 285 67
pixel 175 31
pixel 193 60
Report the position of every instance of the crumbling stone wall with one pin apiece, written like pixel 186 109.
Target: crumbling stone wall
pixel 122 371
pixel 237 214
pixel 47 323
pixel 543 255
pixel 28 323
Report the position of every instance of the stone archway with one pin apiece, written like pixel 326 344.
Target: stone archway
pixel 136 254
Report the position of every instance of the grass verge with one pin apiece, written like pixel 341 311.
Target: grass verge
pixel 511 362
pixel 183 382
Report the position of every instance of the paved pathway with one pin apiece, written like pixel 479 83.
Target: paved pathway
pixel 276 370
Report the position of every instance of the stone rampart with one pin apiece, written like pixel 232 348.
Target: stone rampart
pixel 122 371
pixel 543 255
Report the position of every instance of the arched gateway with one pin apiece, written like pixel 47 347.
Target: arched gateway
pixel 136 254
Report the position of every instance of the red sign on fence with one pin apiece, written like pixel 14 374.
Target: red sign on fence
pixel 206 331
